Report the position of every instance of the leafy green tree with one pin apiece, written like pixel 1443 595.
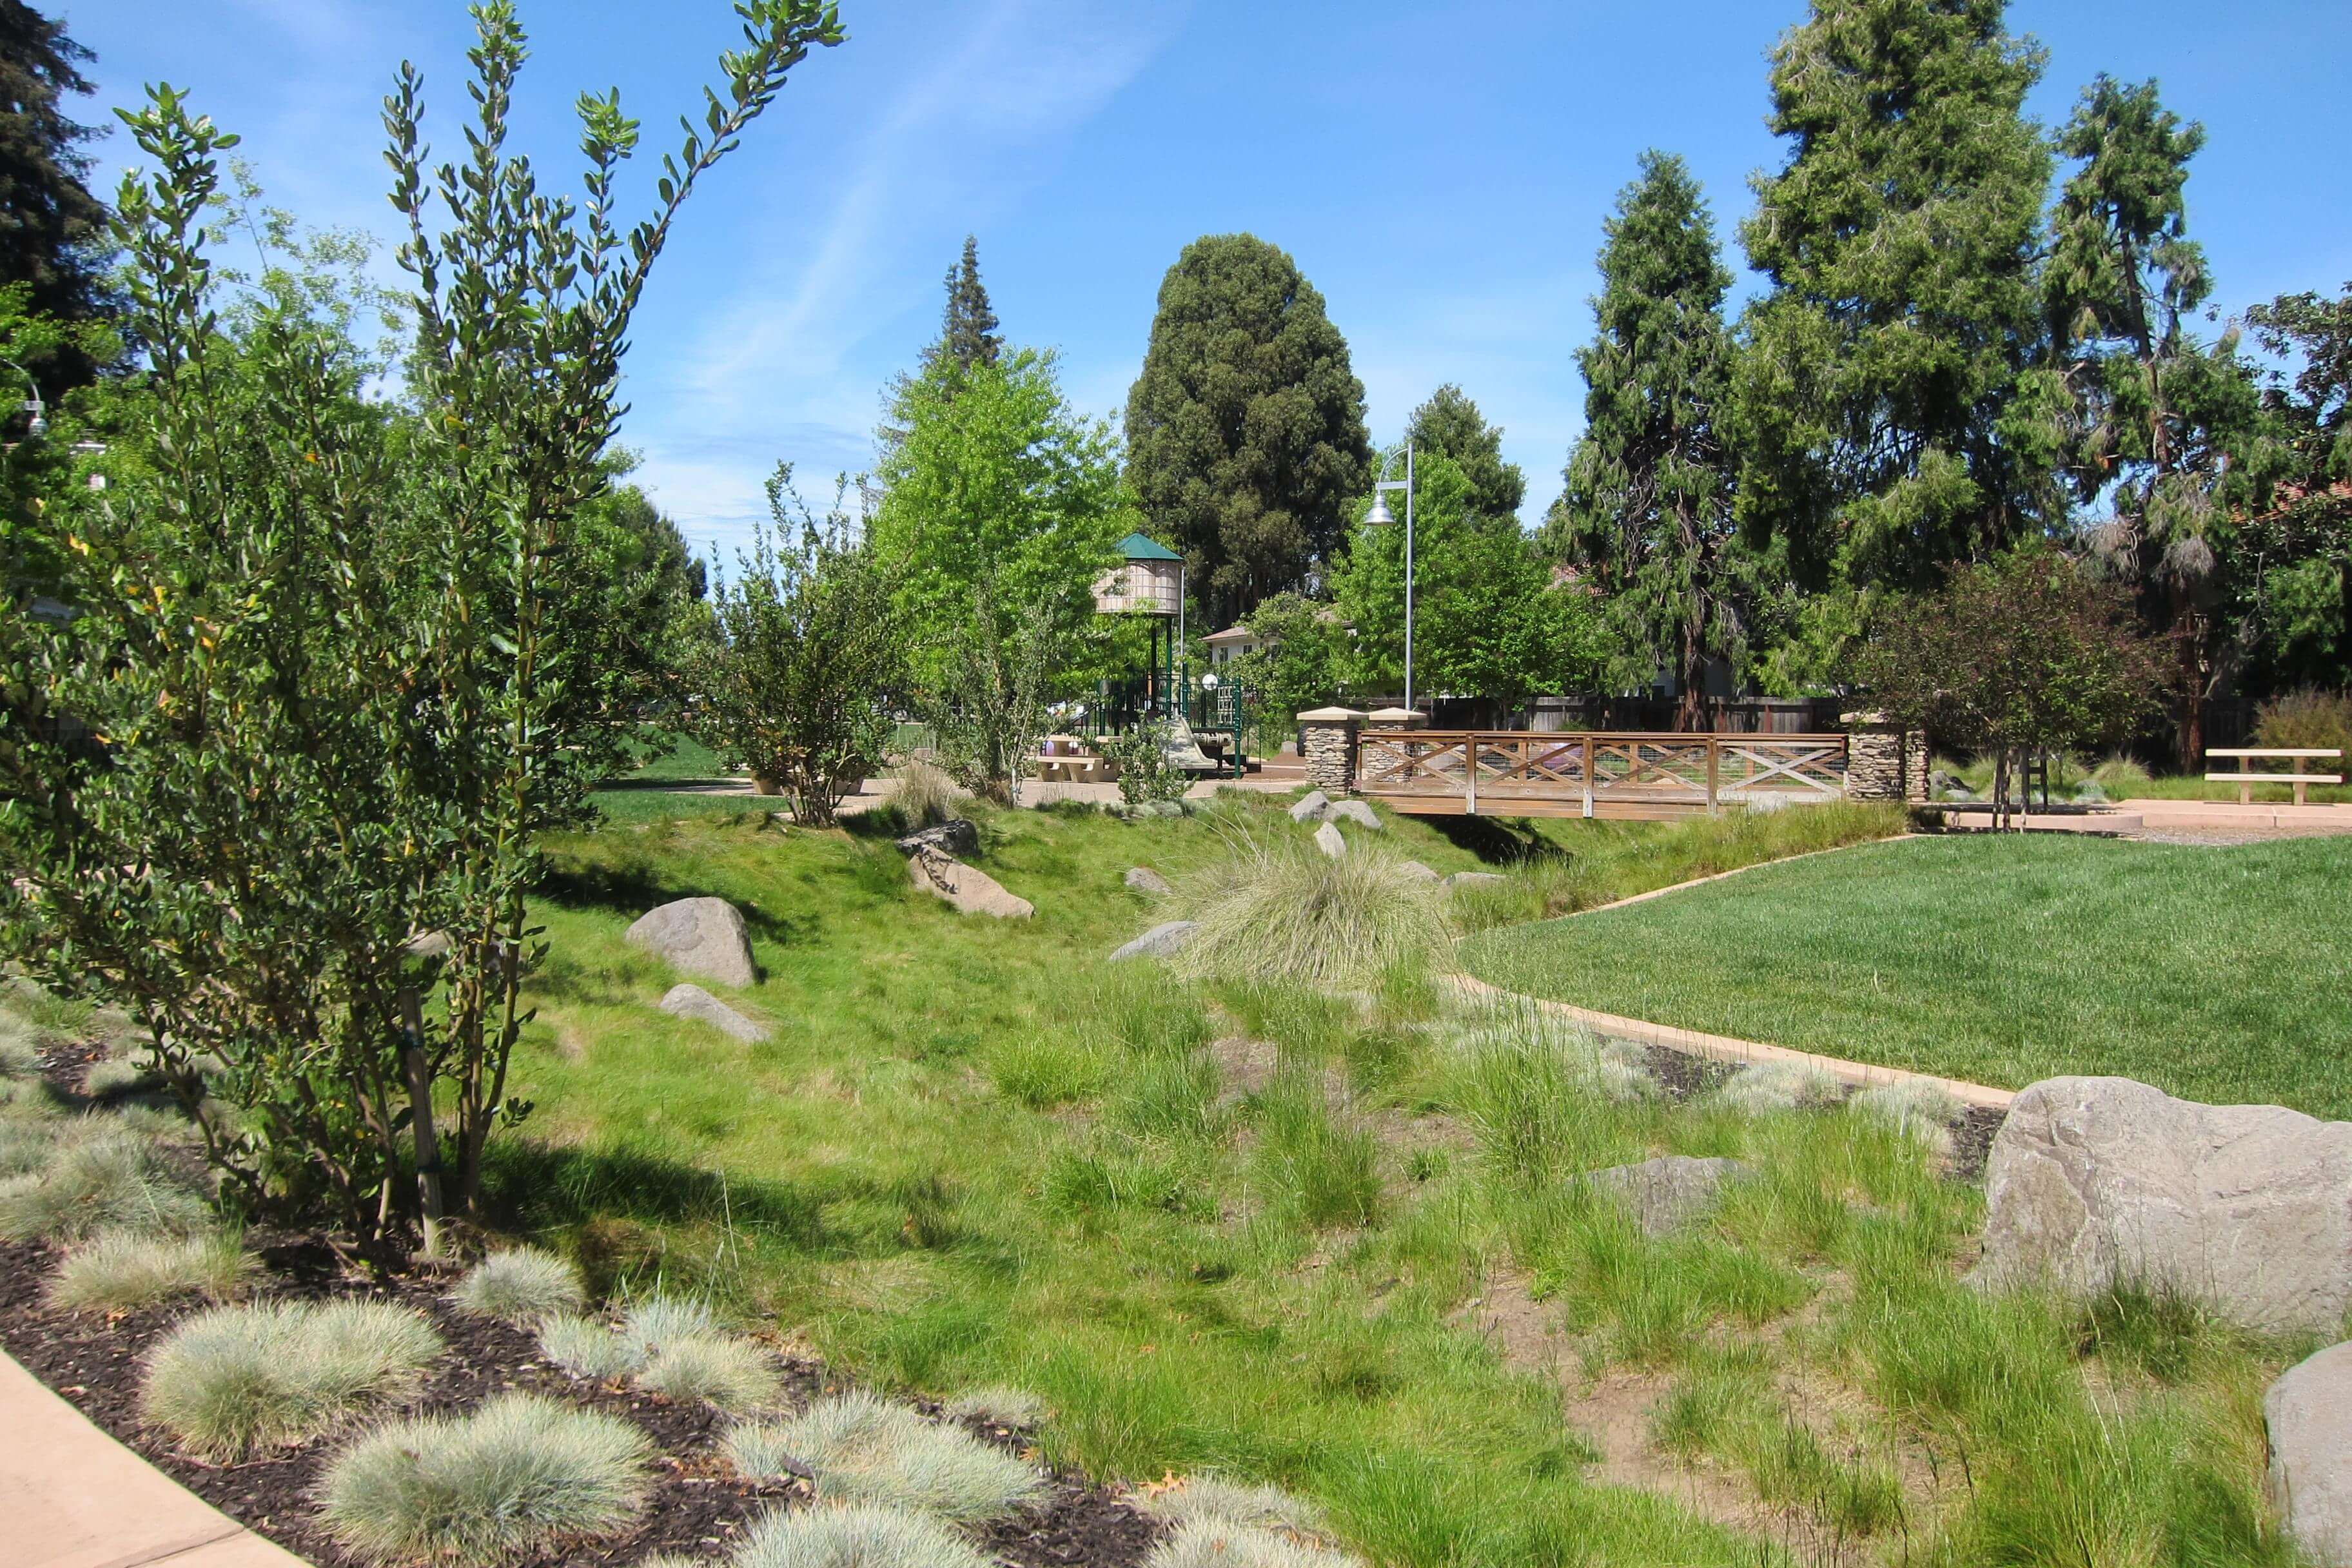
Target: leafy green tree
pixel 2025 653
pixel 1449 425
pixel 802 657
pixel 1488 622
pixel 1246 441
pixel 987 699
pixel 2171 432
pixel 1892 418
pixel 1647 510
pixel 998 482
pixel 1297 667
pixel 53 231
pixel 2305 614
pixel 968 333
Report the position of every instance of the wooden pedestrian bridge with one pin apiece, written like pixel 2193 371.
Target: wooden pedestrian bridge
pixel 1642 777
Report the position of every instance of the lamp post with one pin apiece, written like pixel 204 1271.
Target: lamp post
pixel 1381 516
pixel 39 427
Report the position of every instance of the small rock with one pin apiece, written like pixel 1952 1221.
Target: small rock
pixel 2309 1414
pixel 1461 880
pixel 972 890
pixel 698 936
pixel 1144 880
pixel 427 945
pixel 694 1002
pixel 1419 872
pixel 1310 807
pixel 1160 941
pixel 955 838
pixel 1355 811
pixel 1328 839
pixel 1163 808
pixel 1669 1192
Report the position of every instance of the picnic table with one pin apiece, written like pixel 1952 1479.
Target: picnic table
pixel 2247 779
pixel 1066 760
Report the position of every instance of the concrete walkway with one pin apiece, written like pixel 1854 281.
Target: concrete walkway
pixel 72 1497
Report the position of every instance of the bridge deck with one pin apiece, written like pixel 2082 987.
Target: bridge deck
pixel 1646 777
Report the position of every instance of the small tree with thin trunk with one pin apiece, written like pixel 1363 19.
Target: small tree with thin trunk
pixel 2023 654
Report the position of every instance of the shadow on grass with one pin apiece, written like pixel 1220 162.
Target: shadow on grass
pixel 630 891
pixel 535 1186
pixel 1495 840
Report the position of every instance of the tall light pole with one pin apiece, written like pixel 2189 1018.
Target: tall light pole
pixel 1380 517
pixel 40 426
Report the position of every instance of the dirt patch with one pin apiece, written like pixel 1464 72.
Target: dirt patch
pixel 1973 1137
pixel 697 1506
pixel 1683 1076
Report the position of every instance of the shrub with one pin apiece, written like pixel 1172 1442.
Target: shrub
pixel 275 1372
pixel 865 1449
pixel 1222 1543
pixel 520 1286
pixel 2309 718
pixel 586 1347
pixel 859 1536
pixel 1144 773
pixel 729 1374
pixel 2120 777
pixel 505 1480
pixel 119 1271
pixel 1290 914
pixel 110 1181
pixel 998 1405
pixel 925 794
pixel 1762 1087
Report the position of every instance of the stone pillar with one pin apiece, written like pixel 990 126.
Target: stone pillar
pixel 1326 740
pixel 1883 760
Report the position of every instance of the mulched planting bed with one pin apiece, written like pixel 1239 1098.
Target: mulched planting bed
pixel 698 1506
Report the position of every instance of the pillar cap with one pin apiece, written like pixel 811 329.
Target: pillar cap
pixel 1328 715
pixel 1397 716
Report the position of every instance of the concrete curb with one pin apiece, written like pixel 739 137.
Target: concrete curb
pixel 72 1497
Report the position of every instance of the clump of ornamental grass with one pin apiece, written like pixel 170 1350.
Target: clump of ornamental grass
pixel 505 1480
pixel 1617 1070
pixel 997 1405
pixel 666 1346
pixel 925 794
pixel 121 1270
pixel 1212 1497
pixel 720 1370
pixel 20 1057
pixel 236 1378
pixel 864 1449
pixel 521 1286
pixel 1284 913
pixel 586 1347
pixel 860 1535
pixel 116 1077
pixel 1222 1543
pixel 1760 1088
pixel 1922 1111
pixel 108 1180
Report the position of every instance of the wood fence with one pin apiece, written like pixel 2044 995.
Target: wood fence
pixel 1519 772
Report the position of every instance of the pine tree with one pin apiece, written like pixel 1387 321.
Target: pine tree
pixel 1450 426
pixel 52 229
pixel 2169 429
pixel 1245 439
pixel 1894 421
pixel 968 327
pixel 1647 510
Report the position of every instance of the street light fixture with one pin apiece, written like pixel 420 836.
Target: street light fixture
pixel 40 426
pixel 1381 516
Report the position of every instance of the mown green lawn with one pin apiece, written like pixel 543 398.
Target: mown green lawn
pixel 2222 975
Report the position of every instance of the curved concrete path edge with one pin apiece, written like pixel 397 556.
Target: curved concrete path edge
pixel 72 1497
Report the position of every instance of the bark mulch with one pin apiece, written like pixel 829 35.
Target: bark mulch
pixel 698 1506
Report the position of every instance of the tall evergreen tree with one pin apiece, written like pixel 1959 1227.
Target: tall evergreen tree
pixel 52 230
pixel 2169 430
pixel 1647 510
pixel 1450 426
pixel 1245 438
pixel 968 327
pixel 1893 422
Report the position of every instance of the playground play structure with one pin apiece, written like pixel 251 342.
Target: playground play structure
pixel 1206 717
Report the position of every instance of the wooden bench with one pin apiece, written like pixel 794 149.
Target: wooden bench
pixel 2246 781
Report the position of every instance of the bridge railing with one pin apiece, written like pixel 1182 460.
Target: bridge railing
pixel 1593 773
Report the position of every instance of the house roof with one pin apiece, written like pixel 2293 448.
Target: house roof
pixel 1231 634
pixel 1135 547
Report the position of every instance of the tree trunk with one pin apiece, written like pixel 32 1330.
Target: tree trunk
pixel 420 1111
pixel 1690 708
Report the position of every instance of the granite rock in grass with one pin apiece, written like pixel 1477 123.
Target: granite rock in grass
pixel 1144 880
pixel 2099 1182
pixel 698 936
pixel 1310 807
pixel 1419 872
pixel 1328 839
pixel 1669 1192
pixel 1161 941
pixel 2309 1414
pixel 694 1002
pixel 1355 811
pixel 972 890
pixel 1461 880
pixel 954 839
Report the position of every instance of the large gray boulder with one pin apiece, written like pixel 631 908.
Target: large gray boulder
pixel 1669 1192
pixel 694 1002
pixel 1354 811
pixel 2099 1182
pixel 1144 880
pixel 698 936
pixel 1328 839
pixel 1310 806
pixel 2309 1414
pixel 954 837
pixel 1161 941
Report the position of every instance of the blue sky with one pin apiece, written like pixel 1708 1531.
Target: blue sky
pixel 1441 173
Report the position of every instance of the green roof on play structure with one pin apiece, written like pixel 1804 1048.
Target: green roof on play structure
pixel 1135 547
